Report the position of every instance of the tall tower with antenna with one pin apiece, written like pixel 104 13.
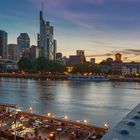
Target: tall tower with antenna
pixel 46 37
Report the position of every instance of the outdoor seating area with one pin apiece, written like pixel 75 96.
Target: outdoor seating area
pixel 27 126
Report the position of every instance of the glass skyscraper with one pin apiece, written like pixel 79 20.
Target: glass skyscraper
pixel 3 44
pixel 23 42
pixel 46 39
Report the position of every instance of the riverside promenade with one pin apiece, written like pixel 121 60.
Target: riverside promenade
pixel 18 125
pixel 128 128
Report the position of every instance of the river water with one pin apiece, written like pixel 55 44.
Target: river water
pixel 98 102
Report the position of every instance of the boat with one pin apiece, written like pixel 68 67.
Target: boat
pixel 87 78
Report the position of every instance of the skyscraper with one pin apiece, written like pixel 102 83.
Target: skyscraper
pixel 46 39
pixel 3 44
pixel 55 49
pixel 81 53
pixel 34 51
pixel 59 56
pixel 13 52
pixel 23 42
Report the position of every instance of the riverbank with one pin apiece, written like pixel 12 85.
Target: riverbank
pixel 35 76
pixel 62 77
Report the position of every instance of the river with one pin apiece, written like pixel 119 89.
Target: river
pixel 97 102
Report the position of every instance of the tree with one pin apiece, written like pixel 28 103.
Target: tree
pixel 42 64
pixel 95 69
pixel 25 64
pixel 81 68
pixel 57 67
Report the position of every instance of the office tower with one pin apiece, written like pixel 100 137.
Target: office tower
pixel 93 61
pixel 3 44
pixel 23 42
pixel 82 55
pixel 59 56
pixel 46 38
pixel 55 49
pixel 38 40
pixel 13 52
pixel 34 51
pixel 118 57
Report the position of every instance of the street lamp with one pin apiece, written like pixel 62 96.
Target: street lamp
pixel 23 129
pixel 106 125
pixel 65 117
pixel 78 121
pixel 15 122
pixel 30 109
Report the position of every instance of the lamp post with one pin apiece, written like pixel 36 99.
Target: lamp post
pixel 15 121
pixel 79 121
pixel 1 127
pixel 106 125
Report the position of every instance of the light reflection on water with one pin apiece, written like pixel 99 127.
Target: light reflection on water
pixel 95 101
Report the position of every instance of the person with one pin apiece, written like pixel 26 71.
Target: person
pixel 26 137
pixel 40 138
pixel 31 137
pixel 36 132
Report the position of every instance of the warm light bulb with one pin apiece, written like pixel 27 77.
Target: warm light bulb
pixel 85 121
pixel 51 135
pixel 49 114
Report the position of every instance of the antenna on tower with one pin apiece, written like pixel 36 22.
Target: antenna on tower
pixel 42 5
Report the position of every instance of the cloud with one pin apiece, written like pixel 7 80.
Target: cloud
pixel 100 55
pixel 135 52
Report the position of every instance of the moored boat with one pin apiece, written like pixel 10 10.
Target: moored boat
pixel 87 78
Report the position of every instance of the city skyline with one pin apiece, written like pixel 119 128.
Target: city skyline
pixel 100 27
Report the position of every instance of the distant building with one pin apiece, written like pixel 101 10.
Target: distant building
pixel 8 65
pixel 59 56
pixel 46 39
pixel 3 44
pixel 13 52
pixel 109 60
pixel 23 42
pixel 38 40
pixel 34 51
pixel 132 68
pixel 117 64
pixel 65 60
pixel 55 49
pixel 118 57
pixel 81 53
pixel 106 66
pixel 74 60
pixel 92 61
pixel 117 67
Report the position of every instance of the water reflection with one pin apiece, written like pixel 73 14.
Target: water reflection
pixel 95 101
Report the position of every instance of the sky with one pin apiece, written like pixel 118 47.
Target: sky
pixel 100 27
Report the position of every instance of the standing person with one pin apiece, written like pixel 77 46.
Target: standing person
pixel 40 138
pixel 36 132
pixel 31 137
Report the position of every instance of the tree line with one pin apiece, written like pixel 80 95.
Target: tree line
pixel 40 64
pixel 44 65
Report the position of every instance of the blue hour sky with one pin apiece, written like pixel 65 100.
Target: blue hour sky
pixel 100 27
